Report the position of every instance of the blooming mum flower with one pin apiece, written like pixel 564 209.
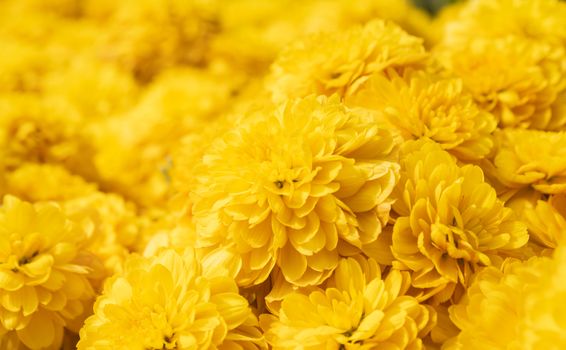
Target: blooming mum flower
pixel 545 216
pixel 296 187
pixel 537 20
pixel 522 83
pixel 38 130
pixel 421 104
pixel 340 62
pixel 44 275
pixel 359 310
pixel 520 307
pixel 531 158
pixel 170 302
pixel 450 222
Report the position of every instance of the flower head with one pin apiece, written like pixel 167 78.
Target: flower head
pixel 537 20
pixel 425 105
pixel 521 82
pixel 531 158
pixel 450 222
pixel 524 304
pixel 44 274
pixel 359 309
pixel 296 187
pixel 170 302
pixel 341 62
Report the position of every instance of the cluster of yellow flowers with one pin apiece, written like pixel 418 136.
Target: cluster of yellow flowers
pixel 318 174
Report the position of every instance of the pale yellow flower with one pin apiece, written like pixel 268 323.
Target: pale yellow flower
pixel 424 105
pixel 44 275
pixel 360 309
pixel 450 222
pixel 170 302
pixel 341 62
pixel 296 187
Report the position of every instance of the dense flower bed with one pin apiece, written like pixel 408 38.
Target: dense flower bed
pixel 318 174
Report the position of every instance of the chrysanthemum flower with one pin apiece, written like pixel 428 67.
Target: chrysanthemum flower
pixel 545 216
pixel 450 221
pixel 170 302
pixel 359 310
pixel 44 271
pixel 148 36
pixel 522 83
pixel 294 187
pixel 531 158
pixel 39 130
pixel 424 105
pixel 538 20
pixel 521 307
pixel 341 62
pixel 46 182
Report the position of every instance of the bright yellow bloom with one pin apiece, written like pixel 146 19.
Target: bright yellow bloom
pixel 522 83
pixel 341 62
pixel 424 105
pixel 296 187
pixel 545 216
pixel 360 309
pixel 538 20
pixel 170 302
pixel 450 221
pixel 531 158
pixel 44 271
pixel 521 307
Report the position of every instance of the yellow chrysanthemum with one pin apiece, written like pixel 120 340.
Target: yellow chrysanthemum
pixel 544 217
pixel 450 222
pixel 42 131
pixel 424 105
pixel 46 182
pixel 148 36
pixel 521 307
pixel 531 158
pixel 135 148
pixel 538 20
pixel 170 302
pixel 522 83
pixel 341 62
pixel 358 310
pixel 296 187
pixel 44 271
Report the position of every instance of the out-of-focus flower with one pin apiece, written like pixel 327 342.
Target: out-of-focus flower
pixel 450 222
pixel 170 302
pixel 537 20
pixel 44 275
pixel 46 182
pixel 42 131
pixel 360 309
pixel 523 303
pixel 424 105
pixel 531 158
pixel 148 36
pixel 135 149
pixel 295 187
pixel 522 83
pixel 341 62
